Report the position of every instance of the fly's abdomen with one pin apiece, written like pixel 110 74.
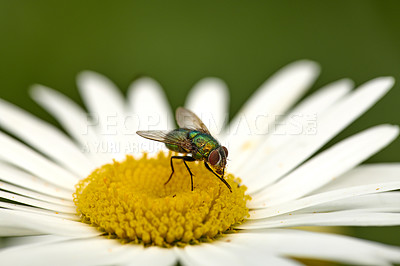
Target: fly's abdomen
pixel 174 147
pixel 179 133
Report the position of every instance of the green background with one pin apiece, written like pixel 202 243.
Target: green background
pixel 178 43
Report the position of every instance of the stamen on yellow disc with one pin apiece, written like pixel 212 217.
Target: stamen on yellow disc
pixel 129 201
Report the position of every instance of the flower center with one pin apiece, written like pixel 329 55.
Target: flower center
pixel 129 201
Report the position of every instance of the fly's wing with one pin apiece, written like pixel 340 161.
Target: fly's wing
pixel 187 119
pixel 166 137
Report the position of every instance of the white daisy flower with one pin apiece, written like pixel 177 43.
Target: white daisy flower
pixel 78 199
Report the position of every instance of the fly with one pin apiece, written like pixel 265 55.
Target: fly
pixel 193 139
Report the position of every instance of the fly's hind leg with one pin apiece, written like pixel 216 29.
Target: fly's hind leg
pixel 184 159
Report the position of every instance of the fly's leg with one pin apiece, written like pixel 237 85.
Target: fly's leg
pixel 220 177
pixel 172 167
pixel 184 159
pixel 189 159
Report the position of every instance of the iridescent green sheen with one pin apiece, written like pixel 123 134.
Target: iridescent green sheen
pixel 205 144
pixel 202 143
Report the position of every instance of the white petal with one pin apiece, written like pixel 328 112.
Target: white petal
pixel 45 224
pixel 253 255
pixel 20 155
pixel 32 240
pixel 29 209
pixel 45 138
pixel 37 203
pixel 209 99
pixel 73 252
pixel 21 178
pixel 151 256
pixel 94 251
pixel 148 101
pixel 298 149
pixel 101 96
pixel 331 163
pixel 207 254
pixel 74 119
pixel 316 104
pixel 303 244
pixel 363 175
pixel 224 253
pixel 149 110
pixel 35 195
pixel 274 97
pixel 338 218
pixel 297 122
pixel 10 231
pixel 106 104
pixel 379 202
pixel 365 179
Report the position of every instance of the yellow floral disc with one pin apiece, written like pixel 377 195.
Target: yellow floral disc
pixel 129 201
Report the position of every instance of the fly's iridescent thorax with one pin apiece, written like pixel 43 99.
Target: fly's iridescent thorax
pixel 203 144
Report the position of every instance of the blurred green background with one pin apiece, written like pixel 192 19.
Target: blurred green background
pixel 178 43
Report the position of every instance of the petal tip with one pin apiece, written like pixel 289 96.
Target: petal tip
pixel 391 130
pixel 145 82
pixel 396 129
pixel 36 90
pixel 40 93
pixel 341 86
pixel 87 74
pixel 307 65
pixel 89 78
pixel 145 86
pixel 347 82
pixel 211 84
pixel 384 82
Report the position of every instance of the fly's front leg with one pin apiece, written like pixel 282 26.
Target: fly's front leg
pixel 220 177
pixel 184 159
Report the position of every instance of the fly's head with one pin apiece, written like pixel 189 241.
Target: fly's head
pixel 217 159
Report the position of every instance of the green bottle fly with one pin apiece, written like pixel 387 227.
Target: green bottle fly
pixel 195 141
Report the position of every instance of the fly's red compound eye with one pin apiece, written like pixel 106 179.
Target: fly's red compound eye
pixel 214 157
pixel 225 150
